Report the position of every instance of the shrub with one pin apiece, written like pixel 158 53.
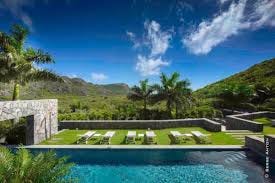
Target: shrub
pixel 23 167
pixel 203 112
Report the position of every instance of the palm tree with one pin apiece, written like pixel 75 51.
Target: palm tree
pixel 17 63
pixel 142 93
pixel 23 167
pixel 234 95
pixel 263 94
pixel 175 92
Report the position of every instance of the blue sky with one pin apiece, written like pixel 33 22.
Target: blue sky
pixel 125 41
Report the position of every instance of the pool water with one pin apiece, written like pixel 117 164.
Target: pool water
pixel 142 166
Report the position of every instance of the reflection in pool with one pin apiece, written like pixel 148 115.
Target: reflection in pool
pixel 113 165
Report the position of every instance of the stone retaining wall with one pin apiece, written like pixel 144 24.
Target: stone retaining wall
pixel 260 145
pixel 255 144
pixel 141 124
pixel 271 148
pixel 41 117
pixel 244 121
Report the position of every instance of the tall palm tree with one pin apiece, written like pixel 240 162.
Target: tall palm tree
pixel 174 91
pixel 142 93
pixel 17 63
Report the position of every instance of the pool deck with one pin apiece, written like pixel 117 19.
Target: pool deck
pixel 185 147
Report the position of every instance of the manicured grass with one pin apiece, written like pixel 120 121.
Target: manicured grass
pixel 163 137
pixel 265 121
pixel 268 129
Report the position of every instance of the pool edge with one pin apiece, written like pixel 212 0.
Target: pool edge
pixel 187 147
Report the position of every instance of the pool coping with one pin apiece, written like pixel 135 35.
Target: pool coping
pixel 185 147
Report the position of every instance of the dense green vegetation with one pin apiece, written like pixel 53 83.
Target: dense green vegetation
pixel 260 77
pixel 163 137
pixel 268 128
pixel 24 167
pixel 18 62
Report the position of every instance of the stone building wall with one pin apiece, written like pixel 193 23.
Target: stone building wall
pixel 41 117
pixel 140 124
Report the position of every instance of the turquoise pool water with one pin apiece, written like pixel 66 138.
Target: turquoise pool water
pixel 142 166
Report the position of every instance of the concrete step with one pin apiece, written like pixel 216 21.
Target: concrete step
pixel 244 133
pixel 233 131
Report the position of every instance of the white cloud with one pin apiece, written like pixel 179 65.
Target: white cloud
pixel 223 1
pixel 229 23
pixel 264 14
pixel 150 66
pixel 98 77
pixel 72 75
pixel 133 38
pixel 210 34
pixel 157 40
pixel 16 7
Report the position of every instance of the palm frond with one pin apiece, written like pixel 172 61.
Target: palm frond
pixel 40 75
pixel 19 35
pixel 24 167
pixel 38 56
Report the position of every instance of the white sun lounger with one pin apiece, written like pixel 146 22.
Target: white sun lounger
pixel 86 136
pixel 176 133
pixel 200 137
pixel 107 137
pixel 198 134
pixel 150 135
pixel 130 137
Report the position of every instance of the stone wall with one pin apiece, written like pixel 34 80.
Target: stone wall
pixel 41 117
pixel 260 145
pixel 271 142
pixel 141 124
pixel 235 123
pixel 244 121
pixel 255 144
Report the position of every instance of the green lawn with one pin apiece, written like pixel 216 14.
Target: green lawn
pixel 70 137
pixel 268 129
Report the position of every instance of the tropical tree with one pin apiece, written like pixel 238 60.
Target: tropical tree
pixel 142 93
pixel 175 92
pixel 234 95
pixel 18 63
pixel 24 167
pixel 263 94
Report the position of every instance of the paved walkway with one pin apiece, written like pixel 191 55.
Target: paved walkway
pixel 240 134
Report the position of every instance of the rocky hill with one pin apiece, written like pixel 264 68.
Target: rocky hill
pixel 70 86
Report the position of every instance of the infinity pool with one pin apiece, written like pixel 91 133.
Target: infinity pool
pixel 144 166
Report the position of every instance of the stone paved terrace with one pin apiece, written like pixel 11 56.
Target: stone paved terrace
pixel 41 117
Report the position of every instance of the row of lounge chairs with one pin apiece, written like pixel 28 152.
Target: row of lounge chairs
pixel 106 138
pixel 150 137
pixel 197 135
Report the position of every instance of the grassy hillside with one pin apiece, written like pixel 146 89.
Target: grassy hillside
pixel 259 76
pixel 262 73
pixel 73 90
